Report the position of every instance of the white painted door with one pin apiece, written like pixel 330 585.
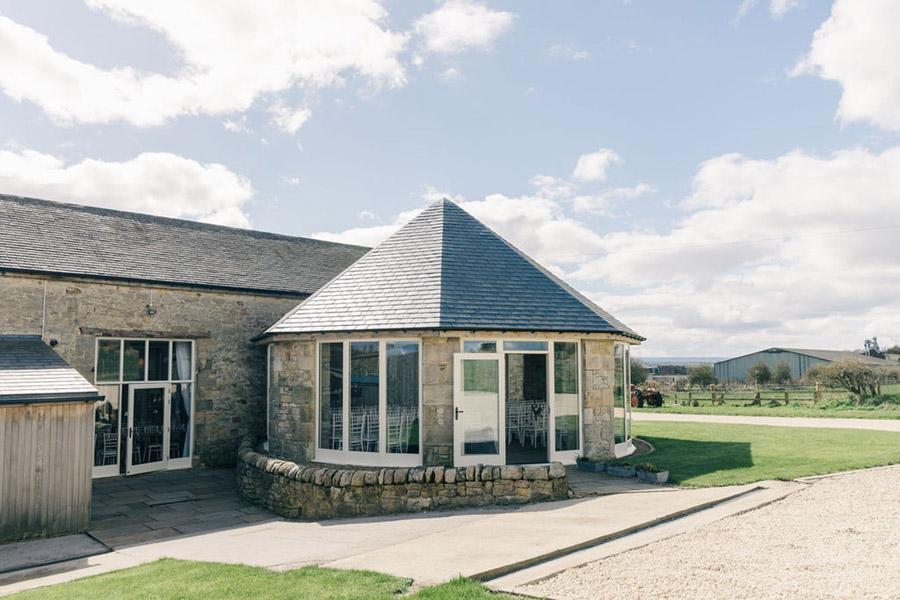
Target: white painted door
pixel 148 430
pixel 479 420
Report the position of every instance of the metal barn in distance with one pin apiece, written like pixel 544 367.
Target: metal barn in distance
pixel 800 361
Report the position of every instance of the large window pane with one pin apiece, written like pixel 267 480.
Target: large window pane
pixel 180 421
pixel 133 363
pixel 364 429
pixel 619 393
pixel 181 361
pixel 108 360
pixel 158 361
pixel 106 426
pixel 402 397
pixel 522 346
pixel 565 387
pixel 331 396
pixel 481 407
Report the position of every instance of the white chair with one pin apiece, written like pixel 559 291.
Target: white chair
pixel 395 432
pixel 357 422
pixel 109 453
pixel 370 431
pixel 337 429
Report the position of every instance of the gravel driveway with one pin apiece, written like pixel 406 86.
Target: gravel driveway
pixel 839 538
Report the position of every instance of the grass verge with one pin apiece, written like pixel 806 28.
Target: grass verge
pixel 181 579
pixel 711 454
pixel 835 409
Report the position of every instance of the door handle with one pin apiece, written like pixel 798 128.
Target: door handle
pixel 457 413
pixel 129 432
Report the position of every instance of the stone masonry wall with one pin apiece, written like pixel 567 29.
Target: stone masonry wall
pixel 319 492
pixel 437 400
pixel 230 371
pixel 292 410
pixel 598 372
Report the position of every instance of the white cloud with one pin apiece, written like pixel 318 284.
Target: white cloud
pixel 367 215
pixel 568 51
pixel 431 194
pixel 368 236
pixel 552 187
pixel 460 25
pixel 289 120
pixel 233 53
pixel 153 182
pixel 237 126
pixel 451 75
pixel 603 202
pixel 777 8
pixel 858 46
pixel 290 181
pixel 593 166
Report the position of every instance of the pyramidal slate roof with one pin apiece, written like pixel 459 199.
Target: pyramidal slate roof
pixel 30 371
pixel 446 270
pixel 39 236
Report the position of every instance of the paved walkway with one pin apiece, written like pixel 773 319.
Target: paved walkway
pixel 428 547
pixel 141 508
pixel 875 424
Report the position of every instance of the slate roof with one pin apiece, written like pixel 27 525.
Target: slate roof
pixel 30 371
pixel 446 270
pixel 39 236
pixel 840 355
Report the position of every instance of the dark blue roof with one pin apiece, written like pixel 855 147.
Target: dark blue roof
pixel 446 270
pixel 30 371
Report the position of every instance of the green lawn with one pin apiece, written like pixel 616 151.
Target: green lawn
pixel 711 454
pixel 833 409
pixel 179 579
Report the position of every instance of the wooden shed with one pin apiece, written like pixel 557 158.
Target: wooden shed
pixel 46 442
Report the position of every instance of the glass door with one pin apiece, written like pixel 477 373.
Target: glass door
pixel 148 408
pixel 478 410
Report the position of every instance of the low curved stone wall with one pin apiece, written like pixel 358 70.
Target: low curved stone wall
pixel 319 492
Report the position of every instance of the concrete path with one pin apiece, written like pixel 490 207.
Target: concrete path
pixel 428 547
pixel 875 424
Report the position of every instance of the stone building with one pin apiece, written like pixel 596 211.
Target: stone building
pixel 447 346
pixel 158 314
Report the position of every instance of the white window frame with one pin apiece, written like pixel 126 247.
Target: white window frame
pixel 382 457
pixel 170 464
pixel 564 456
pixel 627 447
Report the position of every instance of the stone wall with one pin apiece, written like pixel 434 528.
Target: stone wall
pixel 599 379
pixel 292 410
pixel 437 400
pixel 230 374
pixel 295 490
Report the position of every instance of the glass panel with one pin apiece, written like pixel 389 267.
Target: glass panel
pixel 402 397
pixel 619 393
pixel 364 396
pixel 481 407
pixel 148 423
pixel 565 387
pixel 133 364
pixel 108 360
pixel 180 421
pixel 331 396
pixel 627 377
pixel 526 408
pixel 520 346
pixel 181 361
pixel 106 426
pixel 487 347
pixel 158 361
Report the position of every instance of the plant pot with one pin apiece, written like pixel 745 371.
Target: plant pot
pixel 620 471
pixel 590 467
pixel 659 477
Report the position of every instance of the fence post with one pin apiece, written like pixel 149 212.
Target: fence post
pixel 818 390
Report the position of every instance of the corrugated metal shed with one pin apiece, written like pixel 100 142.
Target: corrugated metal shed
pixel 800 360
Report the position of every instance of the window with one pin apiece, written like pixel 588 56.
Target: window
pixel 368 404
pixel 488 347
pixel 565 389
pixel 524 346
pixel 621 395
pixel 126 363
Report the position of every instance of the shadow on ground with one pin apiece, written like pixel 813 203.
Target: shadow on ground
pixel 686 459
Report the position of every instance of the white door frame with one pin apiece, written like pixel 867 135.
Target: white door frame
pixel 464 460
pixel 131 469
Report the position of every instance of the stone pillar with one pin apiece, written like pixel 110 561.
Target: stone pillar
pixel 598 373
pixel 292 396
pixel 437 400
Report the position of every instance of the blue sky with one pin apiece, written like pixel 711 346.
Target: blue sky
pixel 719 175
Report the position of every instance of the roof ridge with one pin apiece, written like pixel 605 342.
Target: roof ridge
pixel 188 223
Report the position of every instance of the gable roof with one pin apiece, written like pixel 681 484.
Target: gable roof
pixel 39 236
pixel 446 270
pixel 30 371
pixel 826 355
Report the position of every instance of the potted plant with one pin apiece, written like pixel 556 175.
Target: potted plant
pixel 591 466
pixel 651 473
pixel 623 469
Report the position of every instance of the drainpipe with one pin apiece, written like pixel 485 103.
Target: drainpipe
pixel 44 310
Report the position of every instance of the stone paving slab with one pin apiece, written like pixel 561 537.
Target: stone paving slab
pixel 42 552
